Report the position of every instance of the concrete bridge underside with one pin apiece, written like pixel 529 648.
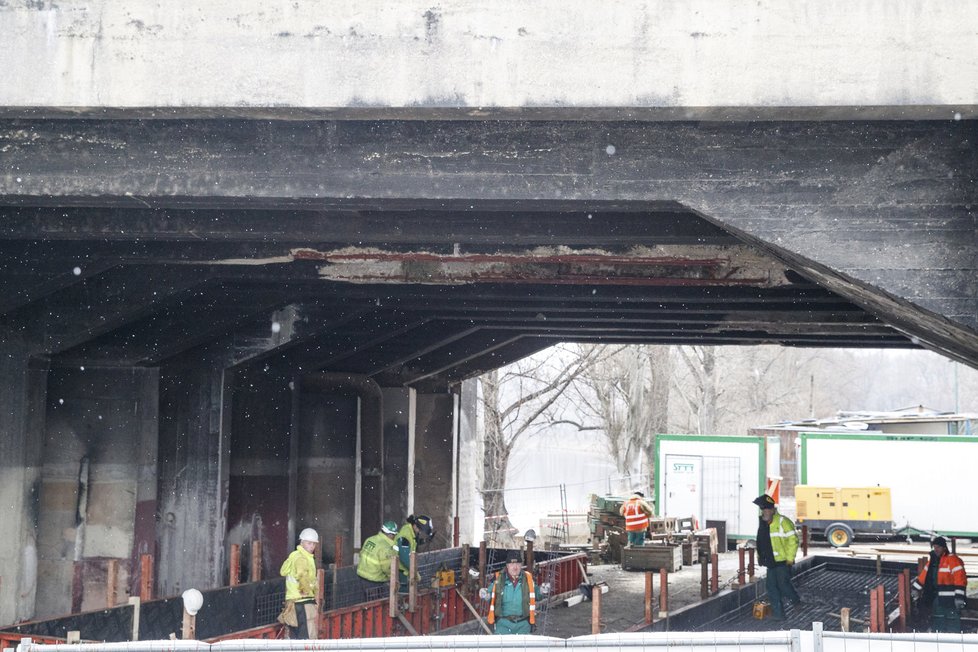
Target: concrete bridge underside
pixel 175 289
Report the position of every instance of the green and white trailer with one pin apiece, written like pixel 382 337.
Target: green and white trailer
pixel 710 477
pixel 929 476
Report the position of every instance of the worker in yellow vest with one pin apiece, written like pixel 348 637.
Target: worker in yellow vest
pixel 374 566
pixel 416 531
pixel 301 613
pixel 513 599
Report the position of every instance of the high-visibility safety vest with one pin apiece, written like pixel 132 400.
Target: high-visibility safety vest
pixel 529 596
pixel 636 519
pixel 375 558
pixel 406 532
pixel 952 581
pixel 299 571
pixel 784 539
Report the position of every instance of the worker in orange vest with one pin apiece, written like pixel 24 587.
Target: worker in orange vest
pixel 513 598
pixel 637 514
pixel 941 588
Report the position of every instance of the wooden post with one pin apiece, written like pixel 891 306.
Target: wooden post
pixel 455 532
pixel 321 587
pixel 482 563
pixel 595 609
pixel 189 626
pixel 234 571
pixel 879 565
pixel 335 582
pixel 648 597
pixel 741 566
pixel 663 592
pixel 750 564
pixel 255 561
pixel 844 617
pixel 136 603
pixel 529 556
pixel 413 583
pixel 112 577
pixel 715 579
pixel 392 596
pixel 465 568
pixel 704 578
pixel 954 546
pixel 877 609
pixel 903 598
pixel 881 607
pixel 804 540
pixel 921 562
pixel 146 577
pixel 338 548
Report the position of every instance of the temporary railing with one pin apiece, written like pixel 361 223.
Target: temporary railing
pixel 794 640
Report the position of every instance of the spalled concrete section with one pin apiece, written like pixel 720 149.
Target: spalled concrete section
pixel 434 461
pixel 21 438
pixel 683 60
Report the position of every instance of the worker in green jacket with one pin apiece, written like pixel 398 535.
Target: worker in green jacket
pixel 374 566
pixel 777 545
pixel 416 531
pixel 301 612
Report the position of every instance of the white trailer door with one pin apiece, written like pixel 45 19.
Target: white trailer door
pixel 684 486
pixel 722 499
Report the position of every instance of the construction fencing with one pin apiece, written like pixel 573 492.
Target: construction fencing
pixel 793 640
pixel 350 608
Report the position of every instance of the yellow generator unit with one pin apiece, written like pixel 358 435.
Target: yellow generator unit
pixel 842 513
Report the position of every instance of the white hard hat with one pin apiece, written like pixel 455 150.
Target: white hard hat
pixel 309 534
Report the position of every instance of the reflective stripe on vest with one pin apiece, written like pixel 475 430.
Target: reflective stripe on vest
pixel 635 518
pixel 529 597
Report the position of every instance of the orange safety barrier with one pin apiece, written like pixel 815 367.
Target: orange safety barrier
pixel 372 619
pixel 10 640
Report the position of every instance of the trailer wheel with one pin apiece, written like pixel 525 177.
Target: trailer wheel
pixel 839 535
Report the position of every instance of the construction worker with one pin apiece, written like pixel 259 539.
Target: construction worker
pixel 777 545
pixel 513 599
pixel 416 531
pixel 941 592
pixel 637 514
pixel 374 566
pixel 301 612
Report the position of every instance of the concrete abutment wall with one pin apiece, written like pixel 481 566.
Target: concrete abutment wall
pixel 105 464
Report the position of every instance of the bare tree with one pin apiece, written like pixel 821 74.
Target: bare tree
pixel 625 396
pixel 702 393
pixel 518 401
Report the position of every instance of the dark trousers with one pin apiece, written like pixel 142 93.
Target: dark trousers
pixel 780 588
pixel 945 617
pixel 304 631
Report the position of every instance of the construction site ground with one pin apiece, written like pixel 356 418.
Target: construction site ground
pixel 623 606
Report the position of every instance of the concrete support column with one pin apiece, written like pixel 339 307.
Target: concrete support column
pixel 194 458
pixel 399 500
pixel 147 437
pixel 434 457
pixel 22 391
pixel 468 469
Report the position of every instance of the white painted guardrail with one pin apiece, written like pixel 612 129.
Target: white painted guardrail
pixel 794 640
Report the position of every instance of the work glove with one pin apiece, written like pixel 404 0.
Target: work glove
pixel 959 603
